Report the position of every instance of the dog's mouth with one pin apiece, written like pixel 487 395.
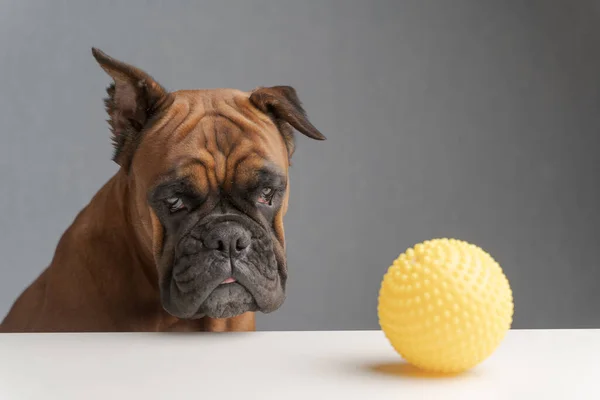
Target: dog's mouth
pixel 223 268
pixel 223 288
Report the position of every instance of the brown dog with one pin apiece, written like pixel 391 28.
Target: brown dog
pixel 188 234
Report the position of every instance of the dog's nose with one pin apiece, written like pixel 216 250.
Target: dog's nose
pixel 228 238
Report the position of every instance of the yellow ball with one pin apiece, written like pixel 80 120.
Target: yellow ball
pixel 445 305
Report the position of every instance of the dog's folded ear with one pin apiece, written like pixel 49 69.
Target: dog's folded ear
pixel 284 106
pixel 132 100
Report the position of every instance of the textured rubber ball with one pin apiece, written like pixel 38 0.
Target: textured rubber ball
pixel 445 305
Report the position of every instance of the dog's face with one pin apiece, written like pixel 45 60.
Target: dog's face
pixel 208 171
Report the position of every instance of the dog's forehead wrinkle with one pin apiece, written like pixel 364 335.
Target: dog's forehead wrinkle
pixel 224 140
pixel 232 108
pixel 217 154
pixel 234 105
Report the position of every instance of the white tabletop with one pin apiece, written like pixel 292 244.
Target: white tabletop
pixel 550 364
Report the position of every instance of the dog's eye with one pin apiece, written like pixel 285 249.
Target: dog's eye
pixel 175 204
pixel 266 195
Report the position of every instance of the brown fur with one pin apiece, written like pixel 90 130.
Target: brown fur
pixel 103 276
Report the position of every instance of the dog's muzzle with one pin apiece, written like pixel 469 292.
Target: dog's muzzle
pixel 223 267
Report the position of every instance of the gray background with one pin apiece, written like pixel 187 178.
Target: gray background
pixel 478 120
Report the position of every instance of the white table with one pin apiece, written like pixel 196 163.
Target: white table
pixel 537 364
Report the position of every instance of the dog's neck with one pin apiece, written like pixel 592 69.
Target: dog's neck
pixel 101 249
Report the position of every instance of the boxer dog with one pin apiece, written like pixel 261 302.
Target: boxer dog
pixel 188 234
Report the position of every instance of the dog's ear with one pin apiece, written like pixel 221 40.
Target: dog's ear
pixel 132 100
pixel 284 106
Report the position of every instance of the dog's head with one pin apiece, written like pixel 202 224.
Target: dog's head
pixel 208 177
